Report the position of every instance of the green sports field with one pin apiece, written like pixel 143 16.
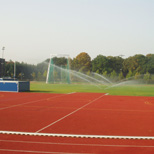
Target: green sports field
pixel 129 90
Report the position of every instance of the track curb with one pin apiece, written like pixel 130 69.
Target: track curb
pixel 78 135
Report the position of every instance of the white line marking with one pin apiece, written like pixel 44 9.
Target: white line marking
pixel 69 114
pixel 31 102
pixel 78 144
pixel 27 151
pixel 77 135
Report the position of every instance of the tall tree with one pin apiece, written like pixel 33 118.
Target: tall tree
pixel 150 63
pixel 115 63
pixel 135 64
pixel 82 62
pixel 147 77
pixel 100 64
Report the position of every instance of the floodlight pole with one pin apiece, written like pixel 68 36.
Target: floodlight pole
pixel 3 52
pixel 14 70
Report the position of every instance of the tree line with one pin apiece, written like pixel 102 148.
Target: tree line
pixel 115 68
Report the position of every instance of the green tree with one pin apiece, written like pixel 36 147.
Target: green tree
pixel 20 76
pixel 33 75
pixel 60 61
pixel 113 75
pixel 121 76
pixel 45 74
pixel 115 63
pixel 39 76
pixel 147 77
pixel 100 64
pixel 82 62
pixel 150 63
pixel 130 74
pixel 9 68
pixel 41 67
pixel 88 73
pixel 152 78
pixel 105 73
pixel 137 75
pixel 136 63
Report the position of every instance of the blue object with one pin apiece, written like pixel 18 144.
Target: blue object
pixel 14 86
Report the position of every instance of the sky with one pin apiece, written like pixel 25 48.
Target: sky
pixel 32 30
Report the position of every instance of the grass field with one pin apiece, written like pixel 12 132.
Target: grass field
pixel 129 90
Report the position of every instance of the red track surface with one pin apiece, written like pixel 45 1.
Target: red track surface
pixel 34 144
pixel 78 113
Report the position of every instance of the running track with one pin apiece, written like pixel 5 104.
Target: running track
pixel 94 120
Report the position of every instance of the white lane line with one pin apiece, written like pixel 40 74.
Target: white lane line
pixel 31 102
pixel 78 144
pixel 28 151
pixel 69 114
pixel 78 135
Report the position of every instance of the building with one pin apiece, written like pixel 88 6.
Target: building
pixel 2 67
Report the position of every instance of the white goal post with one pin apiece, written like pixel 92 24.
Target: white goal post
pixel 51 67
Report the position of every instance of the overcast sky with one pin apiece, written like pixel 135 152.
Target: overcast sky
pixel 31 30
